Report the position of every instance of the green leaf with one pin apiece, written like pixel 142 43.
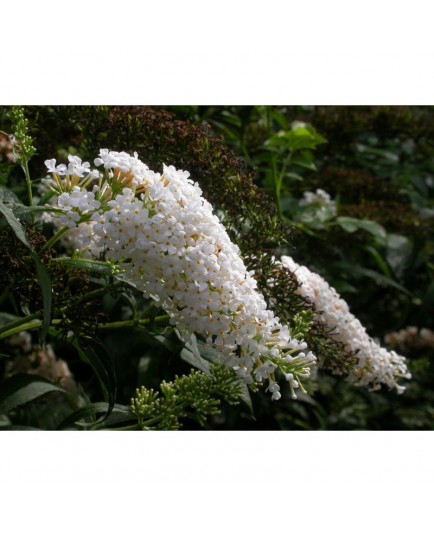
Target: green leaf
pixel 398 253
pixel 382 265
pixel 304 161
pixel 14 223
pixel 376 276
pixel 8 197
pixel 353 224
pixel 43 276
pixel 208 352
pixel 23 210
pixel 23 388
pixel 6 318
pixel 118 414
pixel 301 139
pixel 171 339
pixel 294 176
pixel 245 396
pixel 279 118
pixel 85 264
pixel 92 351
pixel 191 354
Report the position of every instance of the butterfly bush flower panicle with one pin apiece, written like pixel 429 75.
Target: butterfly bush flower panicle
pixel 375 365
pixel 180 255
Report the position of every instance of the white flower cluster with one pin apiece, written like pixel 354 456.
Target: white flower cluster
pixel 375 365
pixel 176 251
pixel 75 168
pixel 319 199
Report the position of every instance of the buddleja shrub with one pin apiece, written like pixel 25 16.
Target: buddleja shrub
pixel 200 279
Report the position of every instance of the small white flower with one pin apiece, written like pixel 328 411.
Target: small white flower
pixel 51 165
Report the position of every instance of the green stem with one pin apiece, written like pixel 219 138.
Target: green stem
pixel 123 428
pixel 21 327
pixel 96 293
pixel 151 421
pixel 132 323
pixel 24 324
pixel 276 187
pixel 18 323
pixel 54 238
pixel 25 167
pixel 279 179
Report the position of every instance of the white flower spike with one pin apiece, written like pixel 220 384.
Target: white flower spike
pixel 375 365
pixel 180 255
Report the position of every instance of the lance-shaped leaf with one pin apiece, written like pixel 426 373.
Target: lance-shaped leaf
pixel 23 388
pixel 92 351
pixel 43 276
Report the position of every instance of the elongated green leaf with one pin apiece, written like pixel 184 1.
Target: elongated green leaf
pixel 245 396
pixel 376 276
pixel 398 253
pixel 23 388
pixel 43 276
pixel 353 224
pixel 380 278
pixel 191 354
pixel 119 414
pixel 85 264
pixel 92 351
pixel 11 201
pixel 381 263
pixel 21 211
pixel 171 339
pixel 304 159
pixel 14 223
pixel 6 318
pixel 8 197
